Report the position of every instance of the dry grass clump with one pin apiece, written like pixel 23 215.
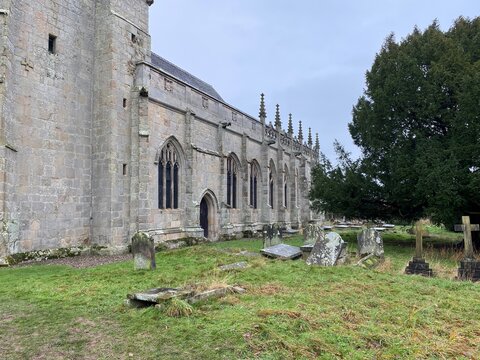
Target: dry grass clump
pixel 176 308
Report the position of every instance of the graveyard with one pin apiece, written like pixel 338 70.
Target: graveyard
pixel 264 307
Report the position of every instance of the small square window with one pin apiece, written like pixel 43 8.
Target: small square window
pixel 52 44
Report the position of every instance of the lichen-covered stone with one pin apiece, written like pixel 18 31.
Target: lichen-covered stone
pixel 370 241
pixel 327 250
pixel 272 235
pixel 311 233
pixel 143 250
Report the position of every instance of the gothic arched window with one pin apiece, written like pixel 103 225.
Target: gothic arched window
pixel 168 178
pixel 271 185
pixel 254 175
pixel 285 187
pixel 231 182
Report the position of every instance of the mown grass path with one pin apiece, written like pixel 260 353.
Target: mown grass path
pixel 290 310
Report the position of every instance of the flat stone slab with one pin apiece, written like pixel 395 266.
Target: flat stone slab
pixel 3 262
pixel 306 250
pixel 215 293
pixel 282 251
pixel 234 266
pixel 158 295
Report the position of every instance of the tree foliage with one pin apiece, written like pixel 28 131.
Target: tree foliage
pixel 418 127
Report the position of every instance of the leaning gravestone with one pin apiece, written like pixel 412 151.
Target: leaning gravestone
pixel 143 250
pixel 370 242
pixel 272 235
pixel 328 250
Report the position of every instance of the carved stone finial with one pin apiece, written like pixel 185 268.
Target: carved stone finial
pixel 300 132
pixel 290 125
pixel 317 144
pixel 278 122
pixel 310 142
pixel 263 113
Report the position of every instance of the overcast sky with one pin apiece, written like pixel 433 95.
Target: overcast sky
pixel 309 56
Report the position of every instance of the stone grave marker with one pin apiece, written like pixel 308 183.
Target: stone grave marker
pixel 369 241
pixel 329 250
pixel 282 251
pixel 272 235
pixel 418 265
pixel 311 234
pixel 234 266
pixel 469 267
pixel 143 251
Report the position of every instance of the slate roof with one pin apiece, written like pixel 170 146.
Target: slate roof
pixel 184 76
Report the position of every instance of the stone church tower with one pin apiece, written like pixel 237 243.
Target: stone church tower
pixel 100 138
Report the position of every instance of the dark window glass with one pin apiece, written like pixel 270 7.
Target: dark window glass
pixel 160 184
pixel 168 187
pixel 52 44
pixel 175 186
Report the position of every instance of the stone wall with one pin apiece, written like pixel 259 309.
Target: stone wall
pixel 195 120
pixel 46 123
pixel 82 123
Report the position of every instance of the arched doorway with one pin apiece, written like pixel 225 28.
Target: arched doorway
pixel 209 216
pixel 204 217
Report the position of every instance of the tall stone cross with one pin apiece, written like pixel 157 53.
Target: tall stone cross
pixel 467 229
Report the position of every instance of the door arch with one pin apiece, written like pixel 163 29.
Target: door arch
pixel 209 215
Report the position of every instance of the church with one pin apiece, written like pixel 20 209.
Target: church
pixel 101 138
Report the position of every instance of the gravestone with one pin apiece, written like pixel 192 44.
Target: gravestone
pixel 418 265
pixel 143 251
pixel 369 241
pixel 329 250
pixel 272 235
pixel 311 234
pixel 469 267
pixel 282 251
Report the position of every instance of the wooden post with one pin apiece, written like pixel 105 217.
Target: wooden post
pixel 418 240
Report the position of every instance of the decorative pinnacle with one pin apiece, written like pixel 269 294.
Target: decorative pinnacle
pixel 278 122
pixel 300 132
pixel 317 143
pixel 290 125
pixel 310 142
pixel 263 113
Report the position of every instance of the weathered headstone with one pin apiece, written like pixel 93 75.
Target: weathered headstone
pixel 328 250
pixel 469 267
pixel 282 251
pixel 370 241
pixel 143 251
pixel 311 233
pixel 418 265
pixel 272 235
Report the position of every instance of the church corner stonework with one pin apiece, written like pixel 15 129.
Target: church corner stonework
pixel 100 138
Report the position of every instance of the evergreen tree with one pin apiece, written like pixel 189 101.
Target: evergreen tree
pixel 418 128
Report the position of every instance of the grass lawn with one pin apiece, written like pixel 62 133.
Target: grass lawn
pixel 290 310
